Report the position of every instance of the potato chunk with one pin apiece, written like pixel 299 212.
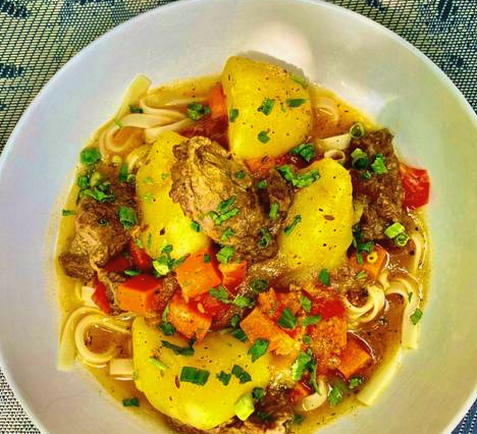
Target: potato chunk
pixel 163 220
pixel 269 112
pixel 323 235
pixel 204 407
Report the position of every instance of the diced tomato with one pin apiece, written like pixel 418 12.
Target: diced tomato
pixel 140 258
pixel 100 297
pixel 211 306
pixel 217 103
pixel 300 391
pixel 328 308
pixel 416 185
pixel 138 294
pixel 233 274
pixel 118 264
pixel 187 319
pixel 195 276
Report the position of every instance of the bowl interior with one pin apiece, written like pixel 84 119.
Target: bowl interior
pixel 361 61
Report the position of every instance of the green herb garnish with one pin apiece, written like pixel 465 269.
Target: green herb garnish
pixel 311 320
pixel 258 349
pixel 258 393
pixel 224 378
pixel 337 393
pixel 416 316
pixel 68 212
pixel 394 230
pixel 131 402
pixel 241 174
pixel 379 165
pixel 132 272
pixel 259 285
pixel 127 217
pixel 233 114
pixel 300 365
pixel 298 180
pixel 123 173
pixel 89 156
pixel 305 151
pixel 220 293
pixel 262 184
pixel 265 238
pixel 263 136
pixel 227 234
pixel 274 211
pixel 195 111
pixel 242 375
pixel 239 334
pixel 242 301
pixel 193 375
pixel 360 159
pixel 267 106
pixel 287 319
pixel 324 277
pixel 289 229
pixel 135 109
pixel 357 130
pixel 225 254
pixel 195 226
pixel 180 351
pixel 355 382
pixel 295 102
pixel 305 303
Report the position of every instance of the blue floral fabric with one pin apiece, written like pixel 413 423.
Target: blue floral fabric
pixel 38 36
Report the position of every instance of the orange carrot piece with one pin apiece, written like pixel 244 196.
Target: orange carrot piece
pixel 233 274
pixel 257 325
pixel 138 293
pixel 353 358
pixel 195 276
pixel 217 103
pixel 187 319
pixel 374 267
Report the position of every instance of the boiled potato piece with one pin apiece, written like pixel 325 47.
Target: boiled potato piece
pixel 324 234
pixel 203 407
pixel 163 219
pixel 247 84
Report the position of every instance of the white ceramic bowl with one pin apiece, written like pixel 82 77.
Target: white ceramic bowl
pixel 364 63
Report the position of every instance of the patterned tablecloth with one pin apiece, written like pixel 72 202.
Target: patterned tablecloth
pixel 38 36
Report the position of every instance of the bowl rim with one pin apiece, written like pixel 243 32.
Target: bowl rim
pixel 22 395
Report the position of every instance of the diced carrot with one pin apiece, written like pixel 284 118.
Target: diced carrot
pixel 187 319
pixel 233 274
pixel 269 304
pixel 195 276
pixel 217 103
pixel 118 264
pixel 257 325
pixel 373 262
pixel 100 297
pixel 353 358
pixel 140 258
pixel 138 294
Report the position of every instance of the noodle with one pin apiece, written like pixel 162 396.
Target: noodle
pixel 136 157
pixel 317 399
pixel 329 107
pixel 339 143
pixel 336 154
pixel 366 313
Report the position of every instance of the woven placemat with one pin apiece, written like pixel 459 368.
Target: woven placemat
pixel 38 36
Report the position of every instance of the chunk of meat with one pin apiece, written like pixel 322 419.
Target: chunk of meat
pixel 218 192
pixel 382 195
pixel 77 265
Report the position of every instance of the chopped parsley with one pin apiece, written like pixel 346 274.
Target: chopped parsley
pixel 267 106
pixel 305 151
pixel 220 293
pixel 355 382
pixel 263 136
pixel 265 238
pixel 274 211
pixel 337 393
pixel 259 285
pixel 416 316
pixel 258 349
pixel 235 320
pixel 180 351
pixel 67 212
pixel 195 226
pixel 90 156
pixel 300 365
pixel 305 303
pixel 193 375
pixel 242 301
pixel 295 102
pixel 225 254
pixel 165 263
pixel 287 319
pixel 123 173
pixel 239 334
pixel 228 233
pixel 224 378
pixel 82 181
pixel 242 375
pixel 311 320
pixel 127 217
pixel 298 180
pixel 167 328
pixel 131 402
pixel 289 229
pixel 195 111
pixel 324 277
pixel 233 114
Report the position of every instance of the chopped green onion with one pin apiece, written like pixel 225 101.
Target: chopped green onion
pixel 401 240
pixel 132 272
pixel 267 106
pixel 244 407
pixel 361 275
pixel 240 174
pixel 258 349
pixel 193 375
pixel 265 238
pixel 355 382
pixel 131 402
pixel 359 258
pixel 298 419
pixel 394 230
pixel 287 319
pixel 360 159
pixel 226 204
pixel 379 165
pixel 235 320
pixel 229 232
pixel 167 328
pixel 220 293
pixel 239 334
pixel 367 175
pixel 416 316
pixel 224 378
pixel 83 181
pixel 123 173
pixel 89 156
pixel 259 285
pixel 289 229
pixel 195 226
pixel 127 217
pixel 295 102
pixel 298 180
pixel 158 363
pixel 307 339
pixel 148 180
pixel 337 393
pixel 305 303
pixel 225 254
pixel 233 114
pixel 135 109
pixel 357 130
pixel 300 365
pixel 274 211
pixel 195 111
pixel 67 212
pixel 242 375
pixel 313 368
pixel 324 277
pixel 311 320
pixel 263 136
pixel 242 301
pixel 262 184
pixel 206 258
pixel 180 351
pixel 258 393
pixel 305 151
